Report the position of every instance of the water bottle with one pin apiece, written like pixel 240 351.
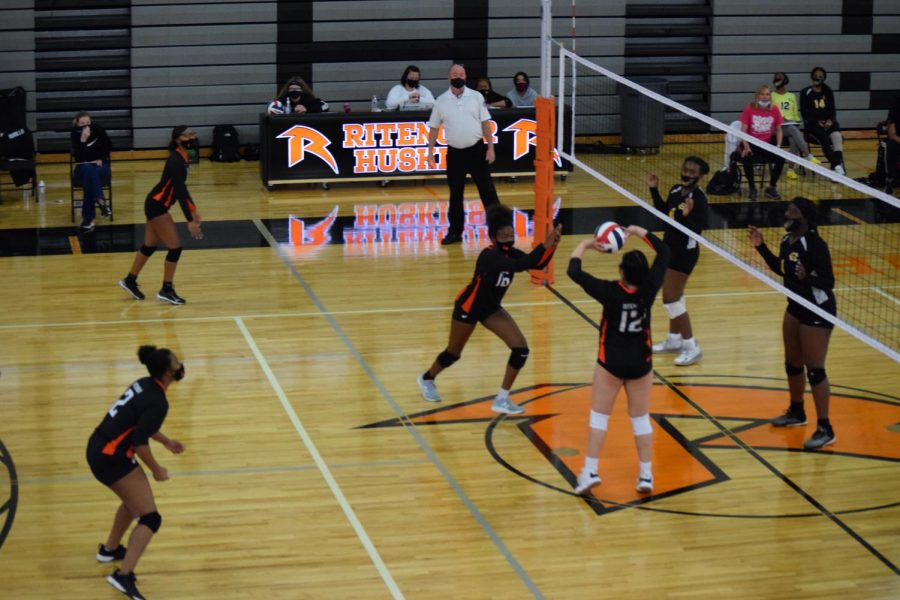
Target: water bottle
pixel 375 104
pixel 41 192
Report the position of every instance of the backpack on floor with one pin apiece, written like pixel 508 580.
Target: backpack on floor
pixel 225 147
pixel 725 182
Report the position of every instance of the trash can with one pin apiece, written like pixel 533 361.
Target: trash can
pixel 643 118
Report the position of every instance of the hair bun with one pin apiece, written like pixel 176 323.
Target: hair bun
pixel 144 353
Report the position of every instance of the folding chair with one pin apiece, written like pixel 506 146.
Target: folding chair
pixel 17 158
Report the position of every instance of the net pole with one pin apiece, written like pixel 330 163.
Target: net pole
pixel 545 115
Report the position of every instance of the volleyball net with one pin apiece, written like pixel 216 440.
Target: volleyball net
pixel 617 138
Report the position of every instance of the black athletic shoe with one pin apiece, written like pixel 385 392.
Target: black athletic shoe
pixel 821 438
pixel 125 584
pixel 87 226
pixel 451 238
pixel 105 210
pixel 131 286
pixel 105 556
pixel 788 419
pixel 170 296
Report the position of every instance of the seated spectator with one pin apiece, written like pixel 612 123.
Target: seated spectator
pixel 763 121
pixel 296 97
pixel 409 94
pixel 892 151
pixel 90 152
pixel 521 95
pixel 491 98
pixel 787 103
pixel 820 118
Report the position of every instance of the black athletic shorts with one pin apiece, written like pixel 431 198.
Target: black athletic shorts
pixel 629 371
pixel 684 260
pixel 478 314
pixel 808 317
pixel 153 209
pixel 107 469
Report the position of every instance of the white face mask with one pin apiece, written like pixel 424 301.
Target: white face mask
pixel 764 103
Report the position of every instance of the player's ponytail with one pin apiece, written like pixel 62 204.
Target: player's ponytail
pixel 176 133
pixel 634 268
pixel 157 360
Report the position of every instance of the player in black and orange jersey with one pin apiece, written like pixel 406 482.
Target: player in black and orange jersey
pixel 625 356
pixel 687 205
pixel 480 302
pixel 171 188
pixel 805 263
pixel 126 430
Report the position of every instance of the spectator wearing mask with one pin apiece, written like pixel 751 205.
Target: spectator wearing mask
pixel 521 94
pixel 763 121
pixel 787 103
pixel 90 151
pixel 491 98
pixel 410 94
pixel 820 118
pixel 296 97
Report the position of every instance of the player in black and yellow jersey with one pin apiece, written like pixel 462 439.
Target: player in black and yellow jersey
pixel 126 431
pixel 480 302
pixel 805 263
pixel 160 227
pixel 820 118
pixel 687 205
pixel 625 354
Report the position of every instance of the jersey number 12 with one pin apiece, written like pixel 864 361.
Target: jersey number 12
pixel 126 397
pixel 631 320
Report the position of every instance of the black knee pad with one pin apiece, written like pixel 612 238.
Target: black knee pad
pixel 815 376
pixel 151 521
pixel 445 359
pixel 791 370
pixel 517 357
pixel 173 255
pixel 148 250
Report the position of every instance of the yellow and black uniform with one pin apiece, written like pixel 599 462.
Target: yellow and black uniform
pixel 625 348
pixel 787 104
pixel 685 250
pixel 137 414
pixel 818 285
pixel 494 272
pixel 172 187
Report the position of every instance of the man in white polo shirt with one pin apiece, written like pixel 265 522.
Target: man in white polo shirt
pixel 466 121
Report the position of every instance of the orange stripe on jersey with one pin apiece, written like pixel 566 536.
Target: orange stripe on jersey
pixel 467 305
pixel 601 353
pixel 627 289
pixel 648 342
pixel 110 448
pixel 159 194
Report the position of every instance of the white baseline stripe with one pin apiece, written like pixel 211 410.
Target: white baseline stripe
pixel 885 294
pixel 320 463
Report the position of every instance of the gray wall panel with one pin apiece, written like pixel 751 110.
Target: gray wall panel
pixel 753 63
pixel 518 8
pixel 562 28
pixel 179 76
pixel 17 61
pixel 195 35
pixel 811 44
pixel 199 14
pixel 16 19
pixel 203 55
pixel 158 137
pixel 774 25
pixel 588 47
pixel 382 9
pixel 778 7
pixel 376 30
pixel 887 24
pixel 202 95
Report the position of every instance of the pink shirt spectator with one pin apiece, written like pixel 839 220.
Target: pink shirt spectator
pixel 761 122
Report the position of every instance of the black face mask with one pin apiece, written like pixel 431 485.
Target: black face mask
pixel 504 247
pixel 294 95
pixel 458 82
pixel 178 374
pixel 688 181
pixel 413 83
pixel 818 81
pixel 485 92
pixel 792 225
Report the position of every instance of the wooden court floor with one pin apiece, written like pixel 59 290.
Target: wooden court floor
pixel 315 470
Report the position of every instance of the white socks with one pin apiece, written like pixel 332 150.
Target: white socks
pixel 590 465
pixel 674 337
pixel 687 343
pixel 646 470
pixel 503 395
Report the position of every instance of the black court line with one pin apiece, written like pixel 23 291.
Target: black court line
pixel 242 233
pixel 9 507
pixel 751 451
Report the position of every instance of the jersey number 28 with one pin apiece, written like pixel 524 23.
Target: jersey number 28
pixel 126 397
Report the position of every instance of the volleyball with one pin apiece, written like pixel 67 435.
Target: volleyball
pixel 610 236
pixel 276 108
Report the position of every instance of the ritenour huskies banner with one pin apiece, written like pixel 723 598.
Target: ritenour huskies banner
pixel 332 146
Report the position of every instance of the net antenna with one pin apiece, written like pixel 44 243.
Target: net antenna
pixel 865 238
